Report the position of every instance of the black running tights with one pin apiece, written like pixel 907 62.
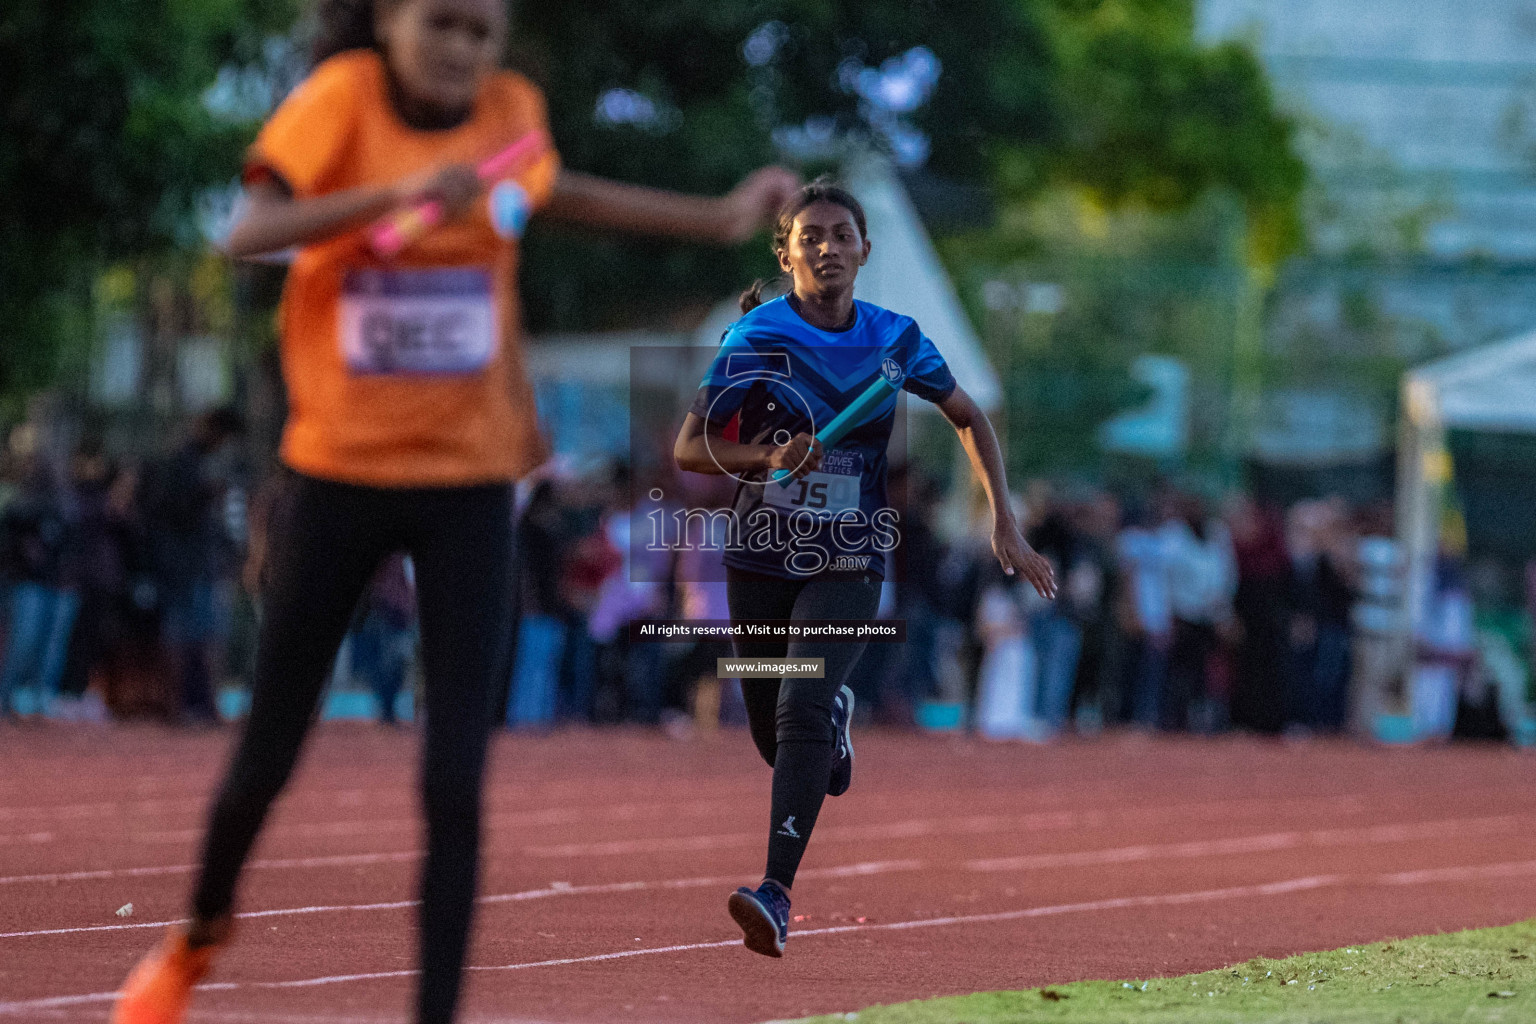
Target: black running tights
pixel 325 541
pixel 791 719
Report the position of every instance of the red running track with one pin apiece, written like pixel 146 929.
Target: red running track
pixel 952 866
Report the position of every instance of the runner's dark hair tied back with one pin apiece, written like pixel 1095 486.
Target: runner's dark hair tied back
pixel 824 189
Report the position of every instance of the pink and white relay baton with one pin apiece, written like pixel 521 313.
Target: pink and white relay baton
pixel 389 234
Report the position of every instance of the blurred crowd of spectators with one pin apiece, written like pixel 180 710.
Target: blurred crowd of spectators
pixel 1175 615
pixel 117 577
pixel 130 593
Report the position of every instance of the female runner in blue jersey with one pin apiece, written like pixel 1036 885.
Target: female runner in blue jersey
pixel 813 549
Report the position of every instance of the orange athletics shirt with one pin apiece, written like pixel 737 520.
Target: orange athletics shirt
pixel 406 372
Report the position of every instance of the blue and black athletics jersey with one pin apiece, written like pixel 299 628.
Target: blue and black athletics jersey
pixel 776 376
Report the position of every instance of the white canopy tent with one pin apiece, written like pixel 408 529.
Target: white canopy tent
pixel 1491 388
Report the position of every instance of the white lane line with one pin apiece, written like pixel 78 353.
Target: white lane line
pixel 878 867
pixel 1237 845
pixel 1474 873
pixel 1193 811
pixel 338 860
pixel 371 826
pixel 309 830
pixel 199 803
pixel 1266 843
pixel 548 892
pixel 1276 888
pixel 56 1001
pixel 911 829
pixel 131 808
pixel 366 826
pixel 974 825
pixel 92 811
pixel 1268 889
pixel 524 798
pixel 915 828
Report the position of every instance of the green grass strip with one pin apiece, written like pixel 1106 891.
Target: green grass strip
pixel 1484 975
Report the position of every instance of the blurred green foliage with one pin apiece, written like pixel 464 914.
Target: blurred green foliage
pixel 1114 97
pixel 1067 294
pixel 108 145
pixel 1151 118
pixel 718 111
pixel 1155 218
pixel 111 139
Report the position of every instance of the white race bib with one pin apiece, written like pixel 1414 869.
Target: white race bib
pixel 438 321
pixel 831 489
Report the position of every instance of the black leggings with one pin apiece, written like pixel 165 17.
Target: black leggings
pixel 791 719
pixel 325 541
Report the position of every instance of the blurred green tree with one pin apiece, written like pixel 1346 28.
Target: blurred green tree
pixel 1067 295
pixel 1159 214
pixel 1153 119
pixel 112 136
pixel 1115 97
pixel 119 117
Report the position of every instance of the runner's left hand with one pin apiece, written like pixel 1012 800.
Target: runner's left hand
pixel 755 201
pixel 1014 555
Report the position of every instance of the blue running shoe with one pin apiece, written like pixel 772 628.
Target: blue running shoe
pixel 763 914
pixel 842 752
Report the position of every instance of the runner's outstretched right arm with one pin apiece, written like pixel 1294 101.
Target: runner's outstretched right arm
pixel 980 443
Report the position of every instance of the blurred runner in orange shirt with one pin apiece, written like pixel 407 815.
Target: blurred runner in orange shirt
pixel 410 417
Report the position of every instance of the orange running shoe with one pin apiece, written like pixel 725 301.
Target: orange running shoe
pixel 159 988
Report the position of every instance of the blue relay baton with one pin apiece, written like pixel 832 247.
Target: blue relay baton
pixel 874 396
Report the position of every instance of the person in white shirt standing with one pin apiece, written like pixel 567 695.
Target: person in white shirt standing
pixel 1145 615
pixel 1202 578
